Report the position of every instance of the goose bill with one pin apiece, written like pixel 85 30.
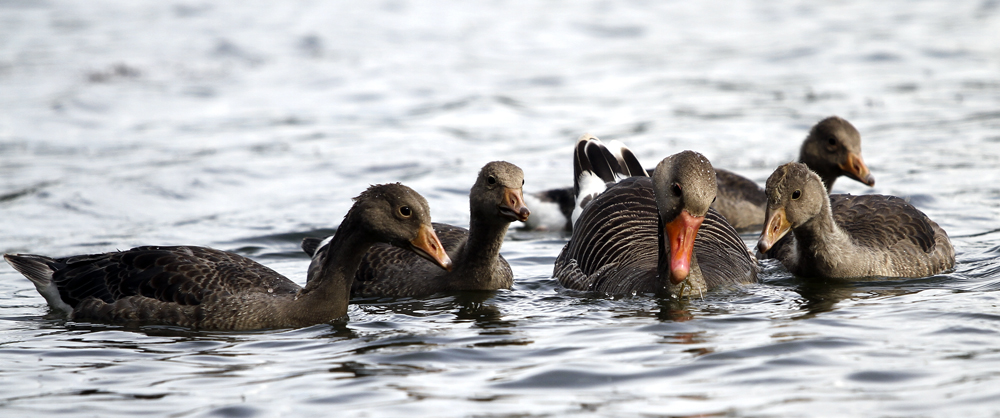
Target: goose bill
pixel 513 206
pixel 429 246
pixel 680 234
pixel 856 169
pixel 776 227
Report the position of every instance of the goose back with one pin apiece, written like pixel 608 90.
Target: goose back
pixel 741 201
pixel 179 285
pixel 212 289
pixel 389 271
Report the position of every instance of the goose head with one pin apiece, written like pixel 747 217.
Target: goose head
pixel 398 215
pixel 684 186
pixel 497 192
pixel 833 149
pixel 795 195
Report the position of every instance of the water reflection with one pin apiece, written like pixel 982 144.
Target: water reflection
pixel 676 310
pixel 823 295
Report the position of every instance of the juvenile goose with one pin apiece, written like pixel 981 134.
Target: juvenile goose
pixel 205 288
pixel 844 236
pixel 494 202
pixel 649 235
pixel 832 149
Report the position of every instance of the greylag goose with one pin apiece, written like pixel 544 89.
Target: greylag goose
pixel 844 236
pixel 204 288
pixel 651 235
pixel 832 149
pixel 495 201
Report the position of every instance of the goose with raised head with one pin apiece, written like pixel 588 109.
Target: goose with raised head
pixel 832 149
pixel 495 201
pixel 205 288
pixel 845 236
pixel 651 235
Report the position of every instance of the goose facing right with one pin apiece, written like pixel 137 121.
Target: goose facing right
pixel 832 150
pixel 844 236
pixel 205 288
pixel 495 201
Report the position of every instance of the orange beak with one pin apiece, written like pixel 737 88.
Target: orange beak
pixel 776 227
pixel 856 169
pixel 513 206
pixel 680 234
pixel 429 246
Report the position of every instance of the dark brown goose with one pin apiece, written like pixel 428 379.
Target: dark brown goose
pixel 650 235
pixel 844 236
pixel 205 288
pixel 494 202
pixel 832 149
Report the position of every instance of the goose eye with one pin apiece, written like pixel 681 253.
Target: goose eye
pixel 491 180
pixel 675 189
pixel 522 182
pixel 833 141
pixel 796 194
pixel 405 211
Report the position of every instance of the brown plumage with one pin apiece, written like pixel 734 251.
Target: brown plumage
pixel 832 149
pixel 206 288
pixel 495 201
pixel 846 236
pixel 649 235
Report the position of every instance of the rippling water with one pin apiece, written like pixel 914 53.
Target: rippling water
pixel 248 125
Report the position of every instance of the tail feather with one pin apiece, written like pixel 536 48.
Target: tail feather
pixel 596 166
pixel 603 163
pixel 630 165
pixel 311 244
pixel 39 269
pixel 315 247
pixel 36 268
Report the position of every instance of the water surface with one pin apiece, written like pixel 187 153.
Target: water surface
pixel 247 125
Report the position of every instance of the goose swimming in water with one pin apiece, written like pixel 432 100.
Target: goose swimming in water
pixel 832 149
pixel 650 235
pixel 204 288
pixel 495 201
pixel 844 236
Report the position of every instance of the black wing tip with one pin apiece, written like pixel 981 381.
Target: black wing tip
pixel 603 163
pixel 631 163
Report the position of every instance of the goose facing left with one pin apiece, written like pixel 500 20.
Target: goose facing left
pixel 205 288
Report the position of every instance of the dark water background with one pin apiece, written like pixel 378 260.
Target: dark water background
pixel 247 125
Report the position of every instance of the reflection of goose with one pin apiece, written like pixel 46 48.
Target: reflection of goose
pixel 848 236
pixel 211 289
pixel 651 234
pixel 832 149
pixel 495 201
